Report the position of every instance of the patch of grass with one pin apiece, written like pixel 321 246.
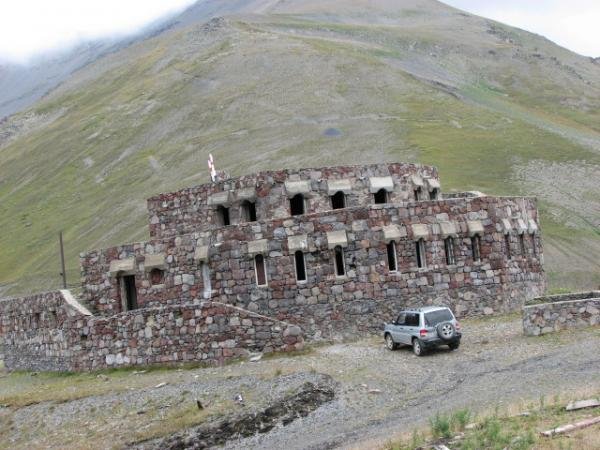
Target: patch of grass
pixel 440 426
pixel 179 418
pixel 516 431
pixel 460 419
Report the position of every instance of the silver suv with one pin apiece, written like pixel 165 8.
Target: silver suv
pixel 423 328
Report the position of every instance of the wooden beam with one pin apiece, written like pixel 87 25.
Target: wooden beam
pixel 572 427
pixel 591 403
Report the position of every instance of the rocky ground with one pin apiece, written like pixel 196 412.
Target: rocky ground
pixel 378 393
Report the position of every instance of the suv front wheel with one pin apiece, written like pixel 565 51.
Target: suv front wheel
pixel 418 347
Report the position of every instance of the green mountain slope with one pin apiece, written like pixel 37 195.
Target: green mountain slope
pixel 495 108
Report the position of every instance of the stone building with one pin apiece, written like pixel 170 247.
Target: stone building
pixel 333 251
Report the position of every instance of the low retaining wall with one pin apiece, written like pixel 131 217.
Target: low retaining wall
pixel 52 332
pixel 549 314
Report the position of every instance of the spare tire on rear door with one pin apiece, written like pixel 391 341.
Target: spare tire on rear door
pixel 445 330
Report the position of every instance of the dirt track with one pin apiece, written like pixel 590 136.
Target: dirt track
pixel 496 366
pixel 378 393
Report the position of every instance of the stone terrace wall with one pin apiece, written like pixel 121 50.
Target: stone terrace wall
pixel 35 332
pixel 369 294
pixel 44 333
pixel 549 314
pixel 188 211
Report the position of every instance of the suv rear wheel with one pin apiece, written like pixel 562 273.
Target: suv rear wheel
pixel 389 342
pixel 418 347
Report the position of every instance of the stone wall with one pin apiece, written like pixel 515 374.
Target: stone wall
pixel 195 209
pixel 554 313
pixel 35 331
pixel 369 294
pixel 45 332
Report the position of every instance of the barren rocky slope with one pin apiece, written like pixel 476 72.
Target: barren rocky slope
pixel 304 83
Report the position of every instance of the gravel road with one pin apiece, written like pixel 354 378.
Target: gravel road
pixel 495 366
pixel 379 393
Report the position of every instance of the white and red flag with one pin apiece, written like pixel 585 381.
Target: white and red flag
pixel 211 168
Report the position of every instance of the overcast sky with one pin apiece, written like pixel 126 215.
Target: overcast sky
pixel 30 27
pixel 574 24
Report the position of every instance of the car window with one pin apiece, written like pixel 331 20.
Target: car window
pixel 401 318
pixel 412 320
pixel 434 317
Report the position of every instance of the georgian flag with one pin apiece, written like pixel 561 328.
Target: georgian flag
pixel 211 168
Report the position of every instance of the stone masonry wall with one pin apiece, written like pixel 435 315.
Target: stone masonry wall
pixel 44 333
pixel 188 211
pixel 369 294
pixel 33 334
pixel 549 314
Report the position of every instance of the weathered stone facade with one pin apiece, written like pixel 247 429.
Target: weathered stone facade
pixel 195 209
pixel 558 312
pixel 336 251
pixel 369 293
pixel 46 332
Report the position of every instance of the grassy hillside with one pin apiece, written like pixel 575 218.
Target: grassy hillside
pixel 496 109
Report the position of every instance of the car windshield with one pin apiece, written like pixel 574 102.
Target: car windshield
pixel 434 317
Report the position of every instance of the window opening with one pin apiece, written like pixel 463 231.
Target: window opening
pixel 433 194
pixel 223 215
pixel 128 289
pixel 449 248
pixel 507 246
pixel 417 193
pixel 381 196
pixel 340 266
pixel 420 251
pixel 476 247
pixel 391 255
pixel 248 211
pixel 157 276
pixel 338 200
pixel 522 244
pixel 533 245
pixel 260 270
pixel 205 270
pixel 300 266
pixel 297 205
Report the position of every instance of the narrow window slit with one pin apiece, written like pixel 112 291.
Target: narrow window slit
pixel 449 248
pixel 340 265
pixel 533 245
pixel 260 270
pixel 476 248
pixel 300 266
pixel 417 193
pixel 129 292
pixel 507 246
pixel 420 252
pixel 391 255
